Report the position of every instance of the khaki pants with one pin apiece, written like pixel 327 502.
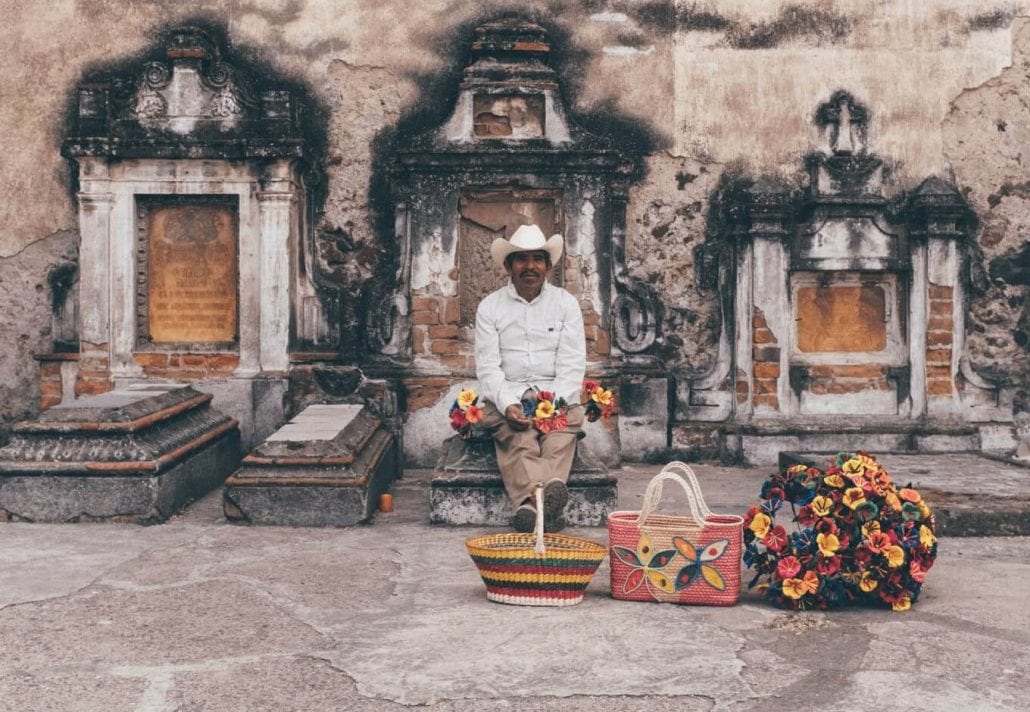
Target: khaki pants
pixel 527 458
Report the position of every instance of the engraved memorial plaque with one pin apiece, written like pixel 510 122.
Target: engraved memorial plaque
pixel 191 272
pixel 842 318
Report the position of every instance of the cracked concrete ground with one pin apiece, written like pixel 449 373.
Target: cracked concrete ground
pixel 199 614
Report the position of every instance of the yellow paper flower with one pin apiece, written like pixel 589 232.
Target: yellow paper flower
pixel 822 506
pixel 834 481
pixel 794 588
pixel 828 544
pixel 760 525
pixel 892 501
pixel 544 409
pixel 601 396
pixel 854 496
pixel 926 537
pixel 902 605
pixel 870 528
pixel 854 466
pixel 466 398
pixel 868 583
pixel 924 510
pixel 895 556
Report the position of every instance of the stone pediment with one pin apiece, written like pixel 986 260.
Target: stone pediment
pixel 186 100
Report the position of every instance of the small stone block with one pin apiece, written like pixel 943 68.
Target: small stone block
pixel 136 454
pixel 467 488
pixel 325 468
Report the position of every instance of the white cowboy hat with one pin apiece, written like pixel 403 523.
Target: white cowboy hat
pixel 527 238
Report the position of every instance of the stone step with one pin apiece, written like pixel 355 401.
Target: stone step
pixel 137 453
pixel 324 468
pixel 761 444
pixel 467 489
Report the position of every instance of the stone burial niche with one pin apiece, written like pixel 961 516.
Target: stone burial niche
pixel 847 313
pixel 508 155
pixel 192 205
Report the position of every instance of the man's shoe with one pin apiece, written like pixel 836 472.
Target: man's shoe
pixel 556 496
pixel 524 519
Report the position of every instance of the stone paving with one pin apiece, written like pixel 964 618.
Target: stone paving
pixel 200 614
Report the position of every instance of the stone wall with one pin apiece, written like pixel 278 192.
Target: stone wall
pixel 728 85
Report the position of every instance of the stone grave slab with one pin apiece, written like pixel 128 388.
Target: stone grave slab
pixel 137 453
pixel 324 468
pixel 467 488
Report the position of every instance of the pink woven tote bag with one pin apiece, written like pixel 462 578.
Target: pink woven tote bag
pixel 675 559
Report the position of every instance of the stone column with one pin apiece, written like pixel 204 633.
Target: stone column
pixel 275 203
pixel 95 201
pixel 95 204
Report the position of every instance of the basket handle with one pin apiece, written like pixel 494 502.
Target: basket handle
pixel 653 495
pixel 538 530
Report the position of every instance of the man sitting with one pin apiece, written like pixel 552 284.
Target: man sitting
pixel 529 338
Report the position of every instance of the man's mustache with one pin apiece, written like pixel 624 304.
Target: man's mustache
pixel 529 272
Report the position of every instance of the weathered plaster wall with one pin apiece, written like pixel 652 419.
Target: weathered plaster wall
pixel 716 84
pixel 987 135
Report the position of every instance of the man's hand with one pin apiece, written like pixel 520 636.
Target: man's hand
pixel 513 414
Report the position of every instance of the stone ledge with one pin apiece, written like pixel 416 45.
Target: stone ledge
pixel 467 489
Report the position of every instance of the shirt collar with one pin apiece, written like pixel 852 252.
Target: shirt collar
pixel 513 293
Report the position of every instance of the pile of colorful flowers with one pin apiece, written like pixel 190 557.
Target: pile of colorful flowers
pixel 858 538
pixel 466 414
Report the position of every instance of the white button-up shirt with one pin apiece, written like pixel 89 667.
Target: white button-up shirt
pixel 522 345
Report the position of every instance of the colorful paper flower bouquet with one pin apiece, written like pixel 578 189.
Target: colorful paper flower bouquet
pixel 547 412
pixel 859 539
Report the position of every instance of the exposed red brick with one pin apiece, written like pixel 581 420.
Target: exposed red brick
pixel 444 331
pixel 772 401
pixel 941 309
pixel 938 292
pixel 604 342
pixel 419 338
pixel 425 317
pixel 838 387
pixel 92 386
pixel 764 336
pixel 591 317
pixel 765 353
pixel 424 304
pixel 223 362
pixel 194 360
pixel 818 388
pixel 938 356
pixel 424 396
pixel 765 386
pixel 941 372
pixel 49 401
pixel 767 370
pixel 445 346
pixel 938 387
pixel 941 323
pixel 151 360
pixel 848 371
pixel 450 310
pixel 50 369
pixel 938 338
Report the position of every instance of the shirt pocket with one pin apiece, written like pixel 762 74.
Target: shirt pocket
pixel 544 336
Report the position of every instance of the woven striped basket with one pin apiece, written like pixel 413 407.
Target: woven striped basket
pixel 535 569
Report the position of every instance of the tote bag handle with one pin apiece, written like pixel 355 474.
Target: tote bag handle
pixel 653 495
